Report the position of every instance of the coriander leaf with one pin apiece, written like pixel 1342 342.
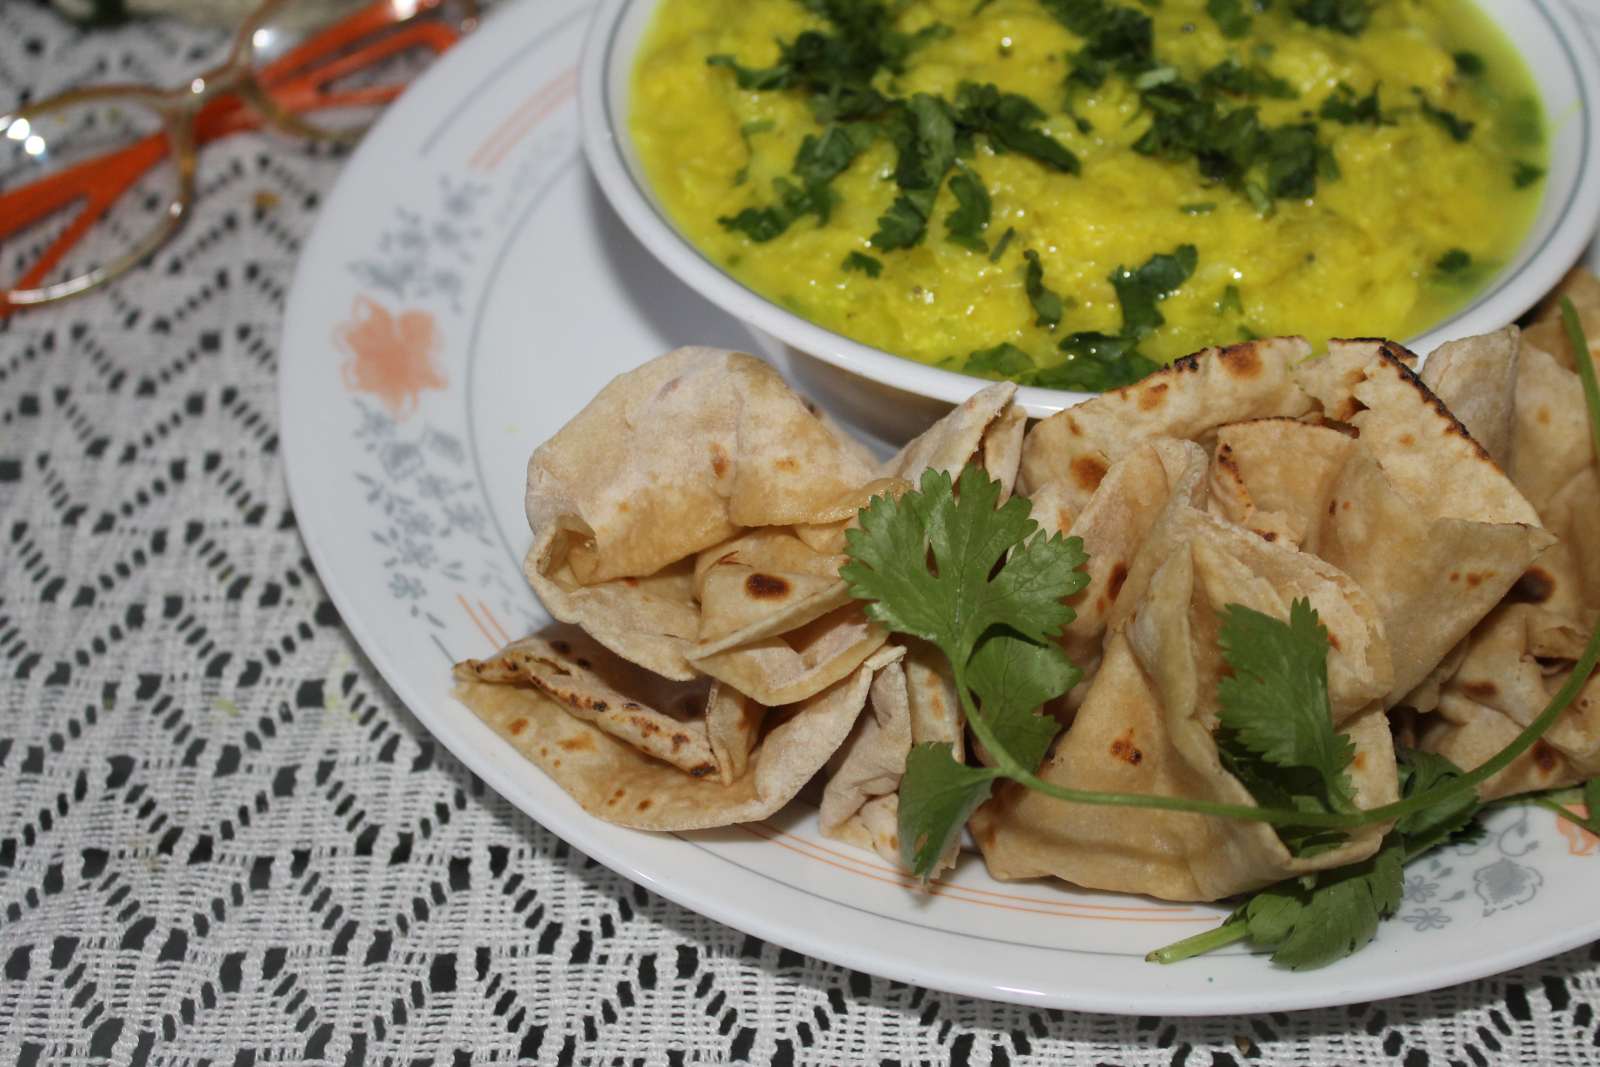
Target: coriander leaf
pixel 1469 64
pixel 1047 305
pixel 1349 17
pixel 1346 108
pixel 1458 128
pixel 1230 76
pixel 965 224
pixel 961 595
pixel 1010 122
pixel 1117 39
pixel 1013 678
pixel 937 797
pixel 1095 362
pixel 747 131
pixel 1292 161
pixel 1275 704
pixel 776 77
pixel 757 223
pixel 821 159
pixel 948 563
pixel 1309 921
pixel 1422 830
pixel 1524 174
pixel 860 261
pixel 1311 926
pixel 1005 360
pixel 902 226
pixel 925 138
pixel 1591 801
pixel 1139 290
pixel 1230 302
pixel 1454 261
pixel 1230 17
pixel 1004 243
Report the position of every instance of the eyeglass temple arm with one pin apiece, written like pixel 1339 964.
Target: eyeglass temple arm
pixel 98 182
pixel 306 92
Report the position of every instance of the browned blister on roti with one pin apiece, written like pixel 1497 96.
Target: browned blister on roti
pixel 1516 660
pixel 621 784
pixel 1419 514
pixel 1075 447
pixel 1275 477
pixel 669 459
pixel 659 718
pixel 1476 378
pixel 1112 526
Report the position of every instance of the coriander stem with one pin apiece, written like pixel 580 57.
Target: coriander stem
pixel 1007 765
pixel 1580 356
pixel 1546 802
pixel 1233 929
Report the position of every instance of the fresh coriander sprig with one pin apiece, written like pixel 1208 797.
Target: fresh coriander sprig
pixel 1308 922
pixel 946 564
pixel 977 580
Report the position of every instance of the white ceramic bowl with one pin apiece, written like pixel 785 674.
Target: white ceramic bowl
pixel 891 396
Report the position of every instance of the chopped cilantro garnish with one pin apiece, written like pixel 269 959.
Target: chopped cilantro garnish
pixel 1231 145
pixel 1469 64
pixel 1345 107
pixel 823 158
pixel 860 261
pixel 747 131
pixel 1047 304
pixel 903 225
pixel 966 223
pixel 1454 261
pixel 1100 361
pixel 1524 174
pixel 1349 17
pixel 1141 289
pixel 777 77
pixel 1237 79
pixel 1230 302
pixel 1458 128
pixel 1004 360
pixel 1294 159
pixel 1095 362
pixel 1001 245
pixel 1117 39
pixel 924 136
pixel 1010 121
pixel 1230 17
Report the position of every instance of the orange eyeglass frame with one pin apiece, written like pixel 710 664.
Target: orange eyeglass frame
pixel 230 98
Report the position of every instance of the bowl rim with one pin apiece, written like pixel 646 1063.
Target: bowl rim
pixel 1510 296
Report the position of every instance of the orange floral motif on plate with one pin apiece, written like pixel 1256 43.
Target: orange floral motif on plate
pixel 391 356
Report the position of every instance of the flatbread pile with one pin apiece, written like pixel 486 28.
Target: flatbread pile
pixel 689 526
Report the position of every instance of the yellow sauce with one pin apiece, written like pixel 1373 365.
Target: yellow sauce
pixel 1359 258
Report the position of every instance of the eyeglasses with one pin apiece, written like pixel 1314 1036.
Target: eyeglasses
pixel 95 180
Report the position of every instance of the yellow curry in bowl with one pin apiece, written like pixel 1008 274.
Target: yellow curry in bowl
pixel 1070 192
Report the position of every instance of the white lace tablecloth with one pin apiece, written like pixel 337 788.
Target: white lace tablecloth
pixel 224 841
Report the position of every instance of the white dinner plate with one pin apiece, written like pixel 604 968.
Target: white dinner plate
pixel 466 291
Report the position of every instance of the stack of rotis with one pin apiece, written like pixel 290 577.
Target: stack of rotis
pixel 689 528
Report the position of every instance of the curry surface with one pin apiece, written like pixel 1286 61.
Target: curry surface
pixel 1359 258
